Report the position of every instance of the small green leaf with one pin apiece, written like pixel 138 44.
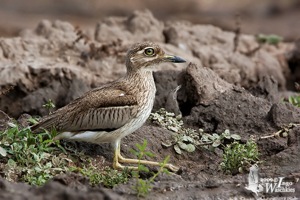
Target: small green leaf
pixel 182 145
pixel 216 143
pixel 190 148
pixel 269 39
pixel 172 128
pixel 184 138
pixel 235 137
pixel 32 120
pixel 166 144
pixel 11 163
pixel 205 138
pixel 3 152
pixel 143 168
pixel 49 165
pixel 226 134
pixel 12 125
pixel 177 149
pixel 148 153
pixel 214 136
pixel 166 160
pixel 134 152
pixel 140 147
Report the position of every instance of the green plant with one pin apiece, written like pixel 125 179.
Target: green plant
pixel 216 140
pixel 167 120
pixel 295 100
pixel 187 139
pixel 184 139
pixel 143 187
pixel 28 156
pixel 108 177
pixel 269 39
pixel 184 142
pixel 49 105
pixel 36 158
pixel 238 157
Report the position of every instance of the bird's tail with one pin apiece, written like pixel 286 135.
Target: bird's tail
pixel 45 123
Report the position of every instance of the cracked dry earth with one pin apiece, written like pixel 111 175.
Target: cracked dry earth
pixel 239 90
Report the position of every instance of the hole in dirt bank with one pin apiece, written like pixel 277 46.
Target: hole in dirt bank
pixel 10 101
pixel 185 108
pixel 293 60
pixel 185 102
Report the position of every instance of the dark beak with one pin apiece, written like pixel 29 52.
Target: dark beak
pixel 174 59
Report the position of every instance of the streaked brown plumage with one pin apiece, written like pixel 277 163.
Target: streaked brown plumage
pixel 110 112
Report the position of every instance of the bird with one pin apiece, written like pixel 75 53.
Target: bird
pixel 112 111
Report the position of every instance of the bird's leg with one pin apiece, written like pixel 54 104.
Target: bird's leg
pixel 120 158
pixel 117 156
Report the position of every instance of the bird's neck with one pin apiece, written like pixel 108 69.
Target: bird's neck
pixel 141 77
pixel 141 80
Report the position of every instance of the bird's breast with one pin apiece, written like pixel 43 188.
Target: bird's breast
pixel 144 89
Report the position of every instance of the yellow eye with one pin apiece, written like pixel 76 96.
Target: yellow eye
pixel 149 52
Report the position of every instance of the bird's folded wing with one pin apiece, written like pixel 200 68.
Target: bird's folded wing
pixel 104 108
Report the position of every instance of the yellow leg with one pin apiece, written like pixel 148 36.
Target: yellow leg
pixel 118 158
pixel 117 155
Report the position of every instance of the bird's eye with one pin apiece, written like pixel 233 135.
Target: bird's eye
pixel 149 52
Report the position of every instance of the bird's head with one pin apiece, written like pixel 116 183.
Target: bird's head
pixel 146 55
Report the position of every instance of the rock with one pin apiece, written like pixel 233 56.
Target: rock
pixel 236 110
pixel 52 190
pixel 23 120
pixel 140 26
pixel 46 64
pixel 200 85
pixel 266 88
pixel 282 114
pixel 215 49
pixel 284 161
pixel 217 105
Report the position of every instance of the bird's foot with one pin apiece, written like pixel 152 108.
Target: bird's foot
pixel 118 158
pixel 118 166
pixel 172 167
pixel 145 162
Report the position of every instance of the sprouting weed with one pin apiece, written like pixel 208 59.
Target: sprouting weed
pixel 143 187
pixel 49 105
pixel 238 157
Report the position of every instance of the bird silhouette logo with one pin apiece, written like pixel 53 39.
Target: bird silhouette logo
pixel 253 180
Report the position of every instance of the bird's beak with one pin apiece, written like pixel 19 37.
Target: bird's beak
pixel 174 59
